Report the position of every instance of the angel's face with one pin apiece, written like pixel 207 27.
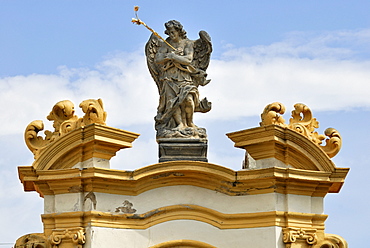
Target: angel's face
pixel 173 34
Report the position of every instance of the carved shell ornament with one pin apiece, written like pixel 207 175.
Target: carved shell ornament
pixel 64 121
pixel 303 123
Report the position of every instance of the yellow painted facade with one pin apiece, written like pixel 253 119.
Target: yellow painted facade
pixel 309 175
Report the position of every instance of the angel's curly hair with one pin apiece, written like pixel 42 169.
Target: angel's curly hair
pixel 177 25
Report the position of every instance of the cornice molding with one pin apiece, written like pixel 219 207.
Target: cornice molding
pixel 92 141
pixel 183 212
pixel 284 144
pixel 194 173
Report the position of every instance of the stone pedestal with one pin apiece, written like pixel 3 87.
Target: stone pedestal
pixel 182 149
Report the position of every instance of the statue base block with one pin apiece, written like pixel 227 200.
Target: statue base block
pixel 182 149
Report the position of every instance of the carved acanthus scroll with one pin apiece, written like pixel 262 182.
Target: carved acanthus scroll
pixel 64 121
pixel 299 235
pixel 271 115
pixel 303 123
pixel 94 112
pixel 310 238
pixel 331 241
pixel 75 236
pixel 33 240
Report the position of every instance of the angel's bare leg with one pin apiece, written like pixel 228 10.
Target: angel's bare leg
pixel 189 110
pixel 183 114
pixel 178 118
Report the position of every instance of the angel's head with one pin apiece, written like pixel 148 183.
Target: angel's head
pixel 173 24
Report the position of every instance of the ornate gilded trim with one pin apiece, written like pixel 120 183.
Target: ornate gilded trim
pixel 34 240
pixel 331 241
pixel 75 236
pixel 311 238
pixel 299 235
pixel 183 212
pixel 79 145
pixel 183 244
pixel 199 174
pixel 64 121
pixel 285 145
pixel 303 123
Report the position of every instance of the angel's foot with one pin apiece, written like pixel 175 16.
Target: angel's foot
pixel 192 125
pixel 181 126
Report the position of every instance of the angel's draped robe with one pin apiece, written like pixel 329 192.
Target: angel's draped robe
pixel 176 85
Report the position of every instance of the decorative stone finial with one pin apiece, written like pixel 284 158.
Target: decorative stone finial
pixel 64 121
pixel 303 123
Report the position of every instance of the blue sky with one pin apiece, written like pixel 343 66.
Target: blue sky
pixel 315 52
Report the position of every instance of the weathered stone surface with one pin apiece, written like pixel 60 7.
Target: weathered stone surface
pixel 178 66
pixel 182 149
pixel 303 122
pixel 64 121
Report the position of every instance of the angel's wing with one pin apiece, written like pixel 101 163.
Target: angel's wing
pixel 151 49
pixel 202 51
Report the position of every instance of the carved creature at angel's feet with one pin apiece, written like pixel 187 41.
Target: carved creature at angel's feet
pixel 187 132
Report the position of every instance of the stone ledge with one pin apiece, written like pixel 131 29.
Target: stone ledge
pixel 284 144
pixel 195 173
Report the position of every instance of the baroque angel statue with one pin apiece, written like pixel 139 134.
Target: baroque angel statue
pixel 178 66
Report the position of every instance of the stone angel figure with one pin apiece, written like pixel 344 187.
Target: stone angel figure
pixel 178 66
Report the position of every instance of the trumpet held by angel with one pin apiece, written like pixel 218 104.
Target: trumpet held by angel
pixel 178 66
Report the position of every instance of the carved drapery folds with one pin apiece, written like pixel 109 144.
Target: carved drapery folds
pixel 301 237
pixel 73 236
pixel 303 123
pixel 64 121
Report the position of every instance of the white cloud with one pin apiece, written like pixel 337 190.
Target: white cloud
pixel 345 44
pixel 243 87
pixel 144 152
pixel 327 72
pixel 127 90
pixel 312 71
pixel 18 207
pixel 297 69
